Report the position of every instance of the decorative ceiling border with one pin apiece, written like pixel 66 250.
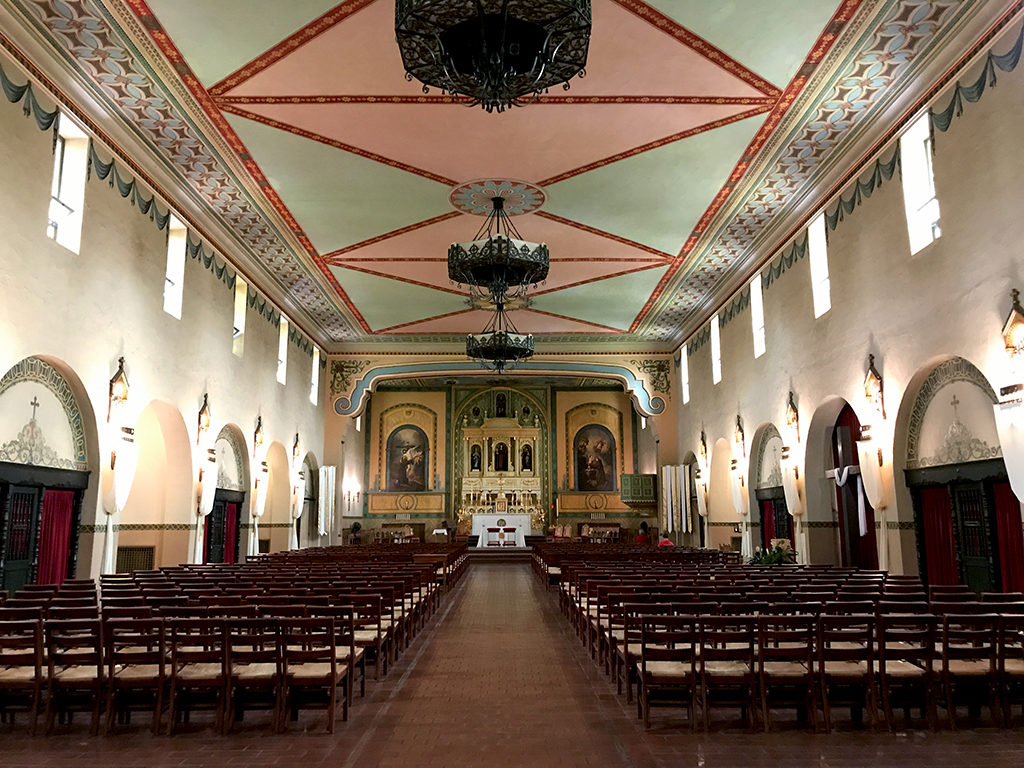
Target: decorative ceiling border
pixel 118 76
pixel 862 86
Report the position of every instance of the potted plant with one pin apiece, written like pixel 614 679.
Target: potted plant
pixel 780 552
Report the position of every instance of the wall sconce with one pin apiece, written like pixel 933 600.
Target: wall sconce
pixel 643 422
pixel 873 387
pixel 204 418
pixel 793 416
pixel 738 437
pixel 257 436
pixel 359 423
pixel 295 449
pixel 118 393
pixel 1013 328
pixel 703 450
pixel 734 466
pixel 351 497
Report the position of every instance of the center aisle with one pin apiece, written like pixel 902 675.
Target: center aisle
pixel 497 683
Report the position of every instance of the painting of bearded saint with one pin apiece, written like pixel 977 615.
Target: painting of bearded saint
pixel 594 449
pixel 407 454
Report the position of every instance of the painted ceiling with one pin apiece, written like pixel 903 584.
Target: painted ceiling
pixel 686 154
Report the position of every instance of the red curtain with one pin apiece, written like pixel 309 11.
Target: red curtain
pixel 230 527
pixel 55 536
pixel 939 545
pixel 767 522
pixel 1010 538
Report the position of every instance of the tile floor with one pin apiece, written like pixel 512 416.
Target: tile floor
pixel 498 680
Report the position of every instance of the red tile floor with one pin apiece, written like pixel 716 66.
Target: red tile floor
pixel 498 679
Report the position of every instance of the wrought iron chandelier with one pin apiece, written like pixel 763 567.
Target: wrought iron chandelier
pixel 499 346
pixel 496 53
pixel 497 265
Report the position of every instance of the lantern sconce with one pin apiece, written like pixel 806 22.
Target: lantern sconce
pixel 739 437
pixel 295 449
pixel 257 436
pixel 703 450
pixel 1013 328
pixel 204 418
pixel 118 393
pixel 793 416
pixel 873 390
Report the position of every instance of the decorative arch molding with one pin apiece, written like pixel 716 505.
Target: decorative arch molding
pixel 945 373
pixel 353 404
pixel 36 370
pixel 773 479
pixel 232 435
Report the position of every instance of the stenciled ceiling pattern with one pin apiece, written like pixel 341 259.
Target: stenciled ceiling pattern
pixel 655 180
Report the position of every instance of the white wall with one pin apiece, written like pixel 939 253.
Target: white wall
pixel 951 298
pixel 107 301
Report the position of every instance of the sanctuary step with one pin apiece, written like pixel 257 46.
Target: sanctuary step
pixel 500 554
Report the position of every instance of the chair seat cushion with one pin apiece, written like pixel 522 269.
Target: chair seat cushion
pixel 200 672
pixel 726 669
pixel 366 636
pixel 846 670
pixel 969 667
pixel 84 674
pixel 18 676
pixel 136 673
pixel 1014 667
pixel 902 669
pixel 314 671
pixel 791 670
pixel 260 670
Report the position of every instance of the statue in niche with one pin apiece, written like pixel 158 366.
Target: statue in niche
pixel 501 458
pixel 474 458
pixel 526 464
pixel 500 406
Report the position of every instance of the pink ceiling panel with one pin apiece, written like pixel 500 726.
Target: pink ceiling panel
pixel 474 321
pixel 492 146
pixel 628 57
pixel 470 321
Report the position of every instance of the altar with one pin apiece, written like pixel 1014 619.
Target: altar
pixel 521 522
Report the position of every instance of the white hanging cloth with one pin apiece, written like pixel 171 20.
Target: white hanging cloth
pixel 325 508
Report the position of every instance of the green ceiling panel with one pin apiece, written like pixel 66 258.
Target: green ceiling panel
pixel 657 197
pixel 770 39
pixel 613 302
pixel 384 302
pixel 219 37
pixel 337 197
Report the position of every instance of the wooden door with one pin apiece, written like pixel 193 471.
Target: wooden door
pixel 972 518
pixel 214 535
pixel 20 531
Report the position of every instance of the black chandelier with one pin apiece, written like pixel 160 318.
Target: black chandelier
pixel 499 346
pixel 494 52
pixel 497 265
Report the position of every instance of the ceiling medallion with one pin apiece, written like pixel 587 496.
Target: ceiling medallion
pixel 476 197
pixel 496 53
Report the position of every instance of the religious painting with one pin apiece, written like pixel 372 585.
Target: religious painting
pixel 594 452
pixel 407 453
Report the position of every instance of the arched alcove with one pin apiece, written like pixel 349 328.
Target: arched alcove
pixel 277 514
pixel 307 532
pixel 765 487
pixel 222 530
pixel 722 517
pixel 161 503
pixel 49 473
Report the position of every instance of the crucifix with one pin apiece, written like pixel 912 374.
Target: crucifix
pixel 841 475
pixel 955 402
pixel 35 405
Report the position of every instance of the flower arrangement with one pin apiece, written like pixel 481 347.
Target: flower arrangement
pixel 780 552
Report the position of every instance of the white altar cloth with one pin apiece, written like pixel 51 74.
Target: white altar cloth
pixel 481 522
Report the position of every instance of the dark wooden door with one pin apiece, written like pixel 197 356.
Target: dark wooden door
pixel 858 551
pixel 972 517
pixel 215 532
pixel 21 529
pixel 223 527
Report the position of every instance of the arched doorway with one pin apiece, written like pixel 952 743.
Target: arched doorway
pixel 223 528
pixel 309 500
pixel 273 536
pixel 46 430
pixel 776 522
pixel 966 517
pixel 723 519
pixel 854 515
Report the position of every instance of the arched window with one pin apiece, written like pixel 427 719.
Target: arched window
pixel 407 455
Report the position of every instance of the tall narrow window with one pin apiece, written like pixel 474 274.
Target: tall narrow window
pixel 67 190
pixel 238 327
pixel 174 277
pixel 757 315
pixel 716 350
pixel 919 184
pixel 314 383
pixel 817 246
pixel 282 351
pixel 684 373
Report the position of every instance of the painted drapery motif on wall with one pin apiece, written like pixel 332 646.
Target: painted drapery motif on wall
pixel 407 453
pixel 594 451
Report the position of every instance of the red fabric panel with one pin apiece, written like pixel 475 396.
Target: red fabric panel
pixel 767 522
pixel 939 545
pixel 55 536
pixel 230 527
pixel 1011 538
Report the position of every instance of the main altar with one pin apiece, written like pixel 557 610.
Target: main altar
pixel 501 529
